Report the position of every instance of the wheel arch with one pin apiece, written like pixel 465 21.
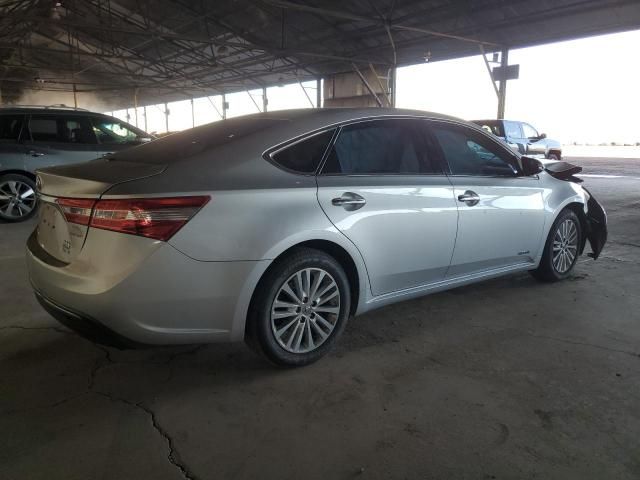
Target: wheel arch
pixel 14 171
pixel 578 209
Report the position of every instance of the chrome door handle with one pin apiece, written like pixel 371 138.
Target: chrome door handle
pixel 350 201
pixel 33 153
pixel 469 197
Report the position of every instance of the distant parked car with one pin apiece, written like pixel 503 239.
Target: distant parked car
pixel 523 138
pixel 38 137
pixel 276 227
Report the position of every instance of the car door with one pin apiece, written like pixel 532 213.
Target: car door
pixel 536 146
pixel 501 213
pixel 384 190
pixel 58 139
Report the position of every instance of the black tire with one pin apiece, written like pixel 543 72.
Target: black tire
pixel 261 329
pixel 10 211
pixel 548 271
pixel 553 156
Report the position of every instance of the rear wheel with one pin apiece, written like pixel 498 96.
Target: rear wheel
pixel 17 197
pixel 553 156
pixel 300 309
pixel 561 249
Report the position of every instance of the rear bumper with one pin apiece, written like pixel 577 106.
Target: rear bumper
pixel 84 326
pixel 124 290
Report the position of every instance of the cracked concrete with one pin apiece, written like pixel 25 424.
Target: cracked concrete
pixel 506 379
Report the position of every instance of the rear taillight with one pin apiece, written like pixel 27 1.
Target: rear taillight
pixel 76 210
pixel 158 218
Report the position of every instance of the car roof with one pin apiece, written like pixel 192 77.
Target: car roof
pixel 12 109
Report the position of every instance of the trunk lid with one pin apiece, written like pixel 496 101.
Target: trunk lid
pixel 92 179
pixel 59 238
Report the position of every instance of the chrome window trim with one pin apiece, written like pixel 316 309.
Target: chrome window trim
pixel 268 153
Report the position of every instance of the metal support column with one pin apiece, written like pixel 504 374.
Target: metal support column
pixel 193 115
pixel 392 86
pixel 318 93
pixel 144 112
pixel 265 100
pixel 502 88
pixel 224 106
pixel 166 116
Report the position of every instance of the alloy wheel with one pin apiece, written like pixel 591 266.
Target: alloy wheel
pixel 17 199
pixel 305 310
pixel 565 246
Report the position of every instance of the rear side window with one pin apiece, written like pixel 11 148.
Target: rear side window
pixel 112 132
pixel 61 129
pixel 10 126
pixel 381 147
pixel 471 153
pixel 492 127
pixel 304 156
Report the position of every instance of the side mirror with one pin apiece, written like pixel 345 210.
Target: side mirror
pixel 531 166
pixel 543 135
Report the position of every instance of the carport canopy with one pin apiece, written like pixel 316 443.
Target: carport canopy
pixel 167 50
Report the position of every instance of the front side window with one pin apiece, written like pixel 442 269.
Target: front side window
pixel 529 131
pixel 111 132
pixel 10 126
pixel 512 130
pixel 470 153
pixel 381 147
pixel 54 129
pixel 304 156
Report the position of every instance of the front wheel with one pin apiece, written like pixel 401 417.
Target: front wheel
pixel 561 249
pixel 17 197
pixel 300 309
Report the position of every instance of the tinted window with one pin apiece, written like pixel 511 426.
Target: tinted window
pixel 470 153
pixel 529 131
pixel 304 156
pixel 112 132
pixel 10 126
pixel 380 147
pixel 50 128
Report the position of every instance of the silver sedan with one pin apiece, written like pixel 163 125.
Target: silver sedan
pixel 276 228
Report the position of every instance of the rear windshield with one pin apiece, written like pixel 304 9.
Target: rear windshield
pixel 179 146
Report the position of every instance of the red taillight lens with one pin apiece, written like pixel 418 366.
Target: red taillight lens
pixel 76 210
pixel 158 218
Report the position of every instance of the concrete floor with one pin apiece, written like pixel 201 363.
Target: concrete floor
pixel 506 379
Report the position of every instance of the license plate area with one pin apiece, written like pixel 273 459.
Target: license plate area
pixel 53 233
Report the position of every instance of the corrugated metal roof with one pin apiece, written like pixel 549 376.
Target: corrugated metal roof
pixel 175 49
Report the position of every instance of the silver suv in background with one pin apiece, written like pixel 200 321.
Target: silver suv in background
pixel 38 137
pixel 523 138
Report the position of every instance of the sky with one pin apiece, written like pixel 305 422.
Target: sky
pixel 584 91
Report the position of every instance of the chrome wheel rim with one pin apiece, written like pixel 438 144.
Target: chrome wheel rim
pixel 17 199
pixel 305 310
pixel 565 246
